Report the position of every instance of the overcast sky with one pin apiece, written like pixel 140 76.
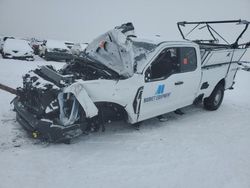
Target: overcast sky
pixel 82 20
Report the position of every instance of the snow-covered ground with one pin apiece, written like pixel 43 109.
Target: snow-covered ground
pixel 199 149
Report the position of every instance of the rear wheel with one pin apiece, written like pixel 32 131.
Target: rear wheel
pixel 214 101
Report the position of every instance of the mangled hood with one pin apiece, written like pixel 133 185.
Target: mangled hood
pixel 114 50
pixel 120 50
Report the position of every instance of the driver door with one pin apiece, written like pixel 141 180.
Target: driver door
pixel 161 87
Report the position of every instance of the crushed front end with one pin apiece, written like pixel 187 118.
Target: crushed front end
pixel 37 107
pixel 55 105
pixel 48 106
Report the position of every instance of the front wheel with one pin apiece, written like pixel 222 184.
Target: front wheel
pixel 214 101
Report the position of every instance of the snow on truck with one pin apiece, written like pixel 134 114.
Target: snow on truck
pixel 123 77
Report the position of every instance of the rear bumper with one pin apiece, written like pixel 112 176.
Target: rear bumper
pixel 43 129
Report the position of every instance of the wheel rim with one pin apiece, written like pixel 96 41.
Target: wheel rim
pixel 218 97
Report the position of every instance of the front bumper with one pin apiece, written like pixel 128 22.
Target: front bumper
pixel 43 129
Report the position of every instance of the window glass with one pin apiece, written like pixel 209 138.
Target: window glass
pixel 165 64
pixel 171 61
pixel 188 59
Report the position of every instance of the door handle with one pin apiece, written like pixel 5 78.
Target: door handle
pixel 179 83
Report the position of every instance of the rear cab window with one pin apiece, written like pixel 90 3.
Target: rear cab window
pixel 188 59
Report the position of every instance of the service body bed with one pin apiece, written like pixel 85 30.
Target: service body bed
pixel 219 64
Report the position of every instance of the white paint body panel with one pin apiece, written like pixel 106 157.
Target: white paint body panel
pixel 123 92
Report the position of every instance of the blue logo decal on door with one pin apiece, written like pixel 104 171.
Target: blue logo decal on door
pixel 159 94
pixel 160 89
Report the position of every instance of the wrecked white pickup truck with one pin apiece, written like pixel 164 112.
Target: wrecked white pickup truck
pixel 122 77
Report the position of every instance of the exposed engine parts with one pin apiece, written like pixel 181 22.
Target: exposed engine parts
pixel 53 97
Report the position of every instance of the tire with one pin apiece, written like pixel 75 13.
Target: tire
pixel 214 101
